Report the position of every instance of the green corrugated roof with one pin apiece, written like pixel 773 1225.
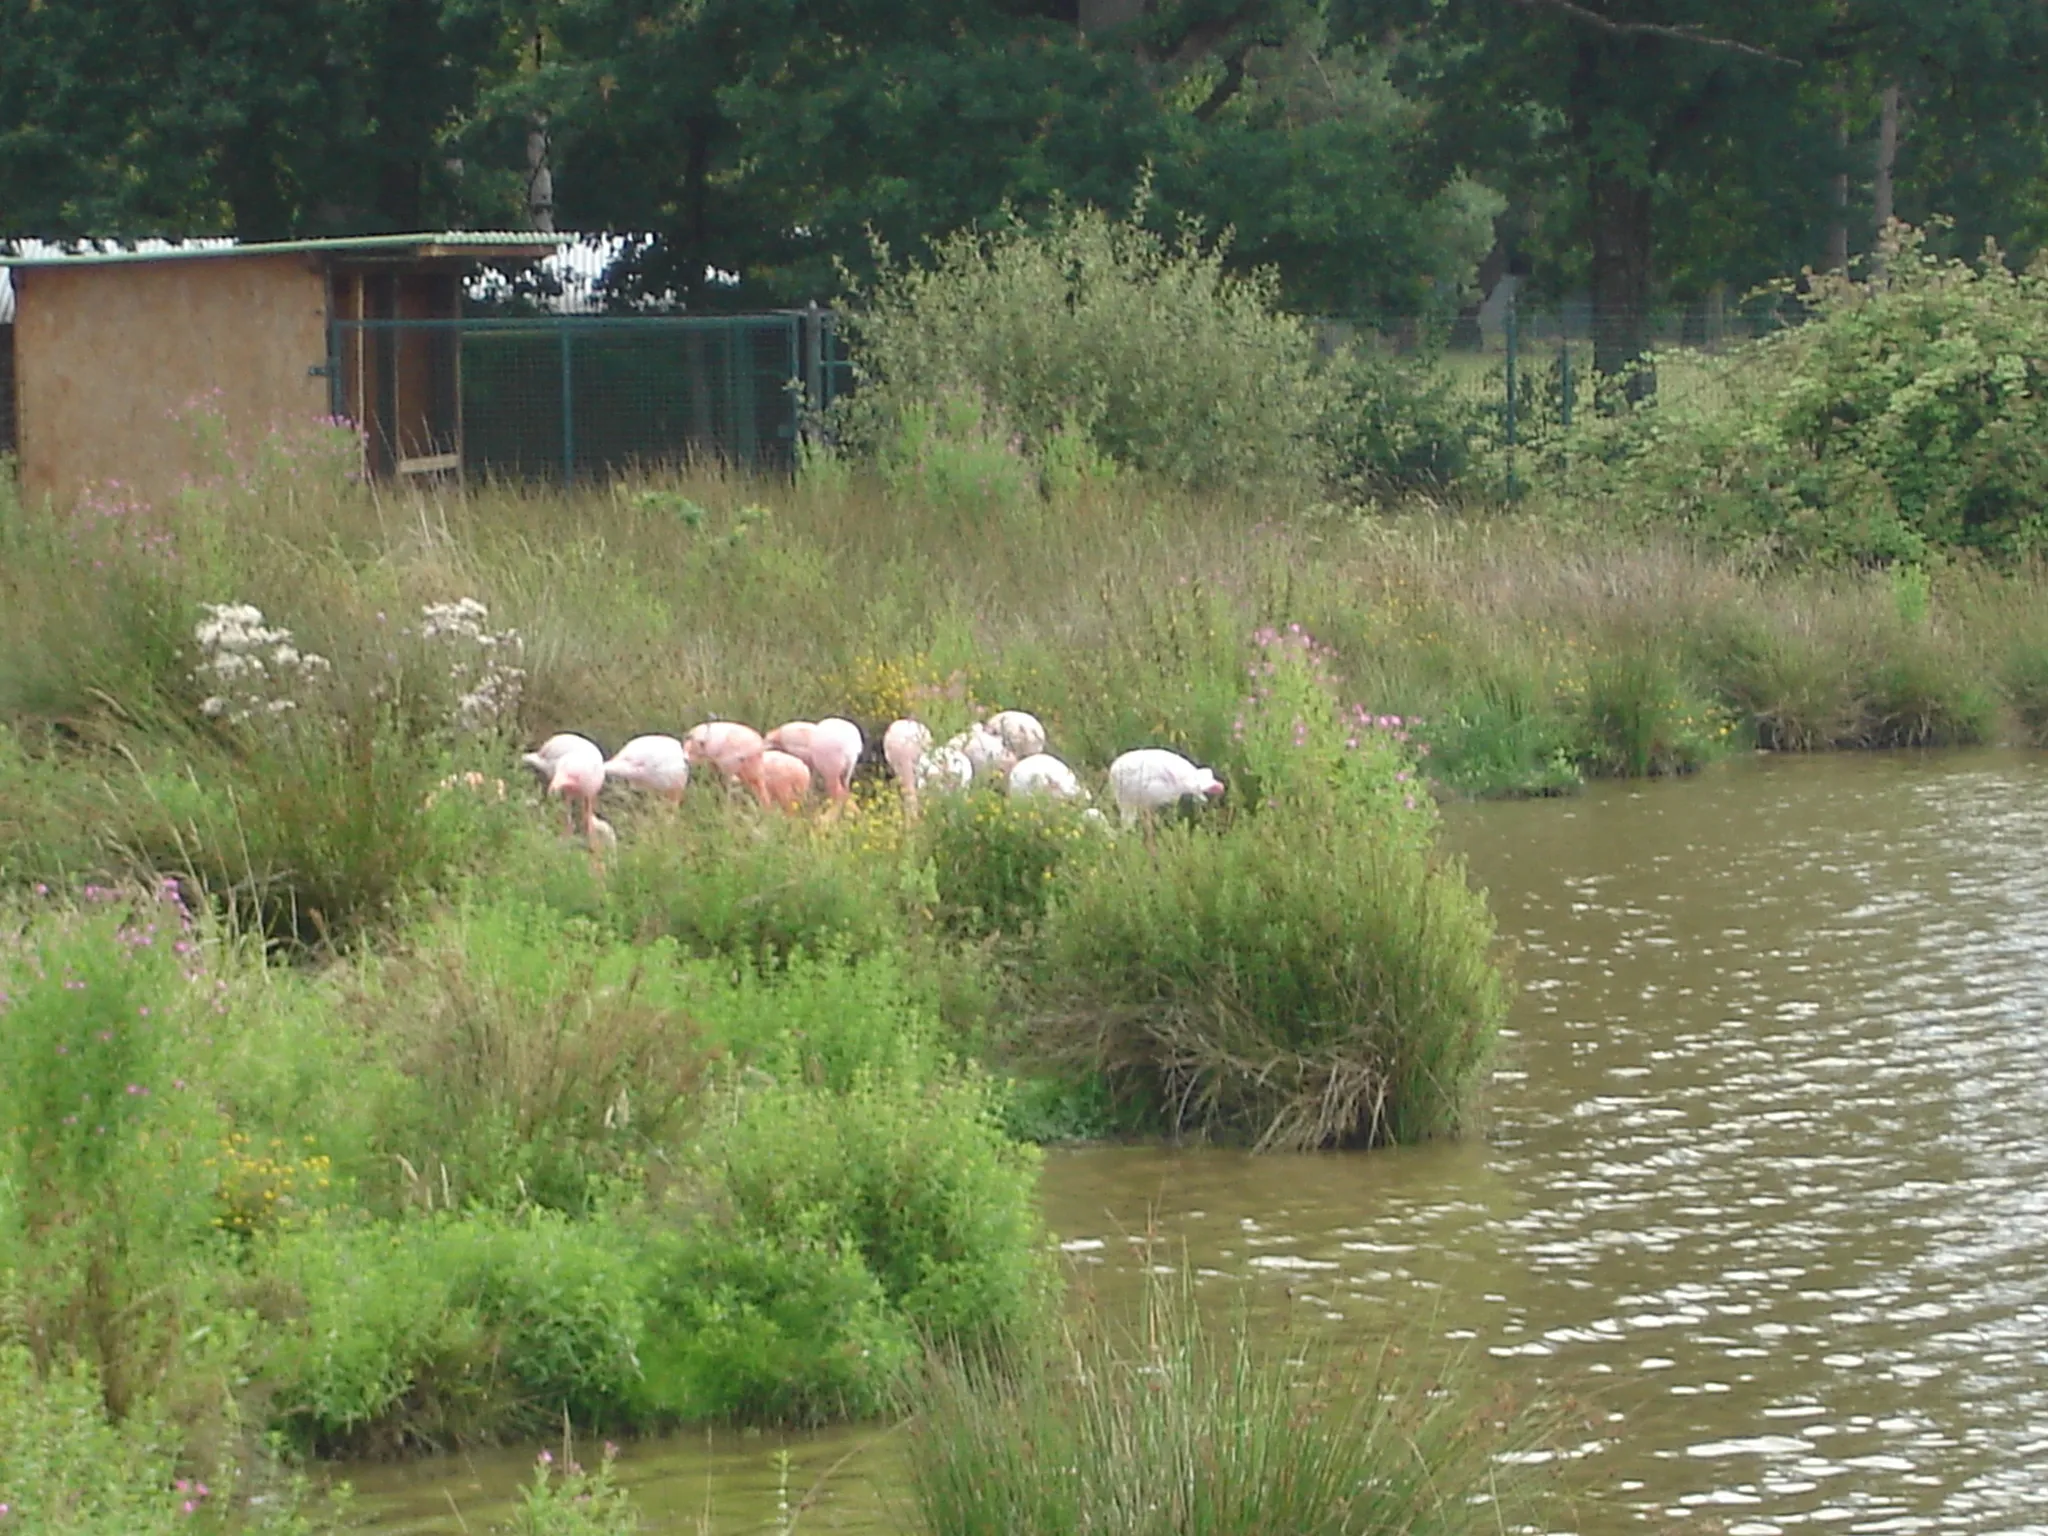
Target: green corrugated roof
pixel 446 242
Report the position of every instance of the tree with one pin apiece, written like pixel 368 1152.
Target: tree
pixel 1663 145
pixel 258 118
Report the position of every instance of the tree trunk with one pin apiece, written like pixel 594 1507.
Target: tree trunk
pixel 1621 277
pixel 1838 232
pixel 250 178
pixel 1887 159
pixel 540 178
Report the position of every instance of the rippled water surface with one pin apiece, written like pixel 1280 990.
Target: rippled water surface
pixel 1765 1170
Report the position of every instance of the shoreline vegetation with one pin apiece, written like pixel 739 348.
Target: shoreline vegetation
pixel 346 1107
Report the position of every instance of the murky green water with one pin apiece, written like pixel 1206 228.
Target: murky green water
pixel 1765 1171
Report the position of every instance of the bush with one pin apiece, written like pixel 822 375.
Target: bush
pixel 534 1062
pixel 1297 981
pixel 1907 416
pixel 314 831
pixel 2025 680
pixel 1176 1426
pixel 106 1199
pixel 721 880
pixel 1920 692
pixel 565 1499
pixel 1097 327
pixel 1395 424
pixel 825 1020
pixel 453 1329
pixel 919 1180
pixel 1640 716
pixel 994 858
pixel 754 1327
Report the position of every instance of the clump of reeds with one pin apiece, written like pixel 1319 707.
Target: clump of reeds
pixel 1179 1427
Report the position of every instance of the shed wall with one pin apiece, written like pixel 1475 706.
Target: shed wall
pixel 107 357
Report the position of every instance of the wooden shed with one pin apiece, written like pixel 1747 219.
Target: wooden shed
pixel 110 349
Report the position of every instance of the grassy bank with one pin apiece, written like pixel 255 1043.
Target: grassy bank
pixel 343 1102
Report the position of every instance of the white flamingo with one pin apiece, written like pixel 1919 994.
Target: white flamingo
pixel 1151 778
pixel 657 764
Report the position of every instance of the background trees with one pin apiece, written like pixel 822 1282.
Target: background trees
pixel 1371 150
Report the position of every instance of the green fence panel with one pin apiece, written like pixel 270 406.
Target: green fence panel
pixel 579 398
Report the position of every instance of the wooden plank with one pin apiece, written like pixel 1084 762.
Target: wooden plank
pixel 430 464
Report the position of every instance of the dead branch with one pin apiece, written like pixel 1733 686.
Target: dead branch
pixel 1682 34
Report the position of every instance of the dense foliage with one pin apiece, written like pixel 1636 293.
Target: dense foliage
pixel 1093 333
pixel 1905 419
pixel 1369 151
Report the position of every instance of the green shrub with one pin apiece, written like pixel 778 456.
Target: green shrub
pixel 756 1327
pixel 1919 691
pixel 822 1020
pixel 994 858
pixel 1502 734
pixel 1640 715
pixel 1396 424
pixel 452 1329
pixel 315 830
pixel 1302 748
pixel 1907 416
pixel 105 1196
pixel 67 1469
pixel 1298 981
pixel 1091 325
pixel 723 881
pixel 533 1062
pixel 918 1179
pixel 1792 682
pixel 2025 680
pixel 951 455
pixel 1174 1425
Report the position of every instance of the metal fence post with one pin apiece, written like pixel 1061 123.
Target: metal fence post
pixel 568 413
pixel 1564 377
pixel 814 357
pixel 1511 330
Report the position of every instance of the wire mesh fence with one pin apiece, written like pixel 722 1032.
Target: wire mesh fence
pixel 577 398
pixel 1532 364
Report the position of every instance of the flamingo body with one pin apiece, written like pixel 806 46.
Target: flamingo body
pixel 943 769
pixel 657 764
pixel 903 743
pixel 983 748
pixel 836 746
pixel 785 780
pixel 1021 734
pixel 1152 778
pixel 572 767
pixel 733 749
pixel 1043 774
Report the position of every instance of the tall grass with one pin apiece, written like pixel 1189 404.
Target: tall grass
pixel 1172 1424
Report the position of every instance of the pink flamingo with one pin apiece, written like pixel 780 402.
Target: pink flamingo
pixel 902 745
pixel 572 766
pixel 785 780
pixel 734 750
pixel 836 746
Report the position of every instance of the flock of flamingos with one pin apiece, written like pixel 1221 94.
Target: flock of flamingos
pixel 781 768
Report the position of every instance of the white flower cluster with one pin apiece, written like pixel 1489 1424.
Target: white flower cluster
pixel 249 667
pixel 486 666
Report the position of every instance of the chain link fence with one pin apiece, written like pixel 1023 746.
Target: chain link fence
pixel 578 398
pixel 1531 362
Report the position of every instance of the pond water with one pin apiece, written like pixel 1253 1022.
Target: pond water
pixel 1764 1173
